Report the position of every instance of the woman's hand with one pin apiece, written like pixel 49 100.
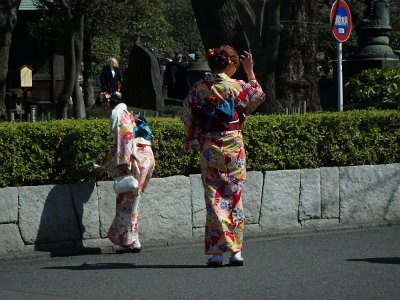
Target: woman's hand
pixel 247 63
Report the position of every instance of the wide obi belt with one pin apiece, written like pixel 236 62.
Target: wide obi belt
pixel 142 142
pixel 215 126
pixel 222 135
pixel 220 115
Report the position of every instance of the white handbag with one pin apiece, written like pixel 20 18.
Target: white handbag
pixel 123 184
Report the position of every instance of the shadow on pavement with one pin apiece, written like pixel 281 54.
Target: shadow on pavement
pixel 61 229
pixel 109 266
pixel 78 251
pixel 379 260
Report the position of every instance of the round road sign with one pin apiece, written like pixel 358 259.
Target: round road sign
pixel 341 20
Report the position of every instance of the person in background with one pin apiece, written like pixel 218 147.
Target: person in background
pixel 131 153
pixel 110 78
pixel 176 77
pixel 213 114
pixel 163 81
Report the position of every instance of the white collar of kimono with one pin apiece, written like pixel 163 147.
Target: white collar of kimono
pixel 121 106
pixel 115 113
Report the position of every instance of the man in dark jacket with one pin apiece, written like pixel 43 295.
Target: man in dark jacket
pixel 110 77
pixel 176 77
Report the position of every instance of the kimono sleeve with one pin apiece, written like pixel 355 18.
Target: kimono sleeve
pixel 250 96
pixel 192 128
pixel 122 126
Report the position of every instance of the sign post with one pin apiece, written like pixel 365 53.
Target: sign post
pixel 341 24
pixel 26 76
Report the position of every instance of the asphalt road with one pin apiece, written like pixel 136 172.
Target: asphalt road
pixel 362 264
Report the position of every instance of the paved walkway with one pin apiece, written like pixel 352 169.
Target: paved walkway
pixel 363 264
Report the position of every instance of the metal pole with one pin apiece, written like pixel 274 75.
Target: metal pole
pixel 340 76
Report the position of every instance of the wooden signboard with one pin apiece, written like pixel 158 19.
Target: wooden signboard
pixel 26 76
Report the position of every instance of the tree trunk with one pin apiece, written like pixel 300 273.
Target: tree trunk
pixel 77 96
pixel 8 19
pixel 72 59
pixel 296 68
pixel 69 73
pixel 266 55
pixel 252 28
pixel 219 24
pixel 87 84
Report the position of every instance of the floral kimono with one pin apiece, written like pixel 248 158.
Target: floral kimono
pixel 213 115
pixel 129 155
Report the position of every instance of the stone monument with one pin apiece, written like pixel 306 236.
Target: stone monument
pixel 142 87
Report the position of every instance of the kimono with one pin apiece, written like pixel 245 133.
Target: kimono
pixel 213 114
pixel 128 155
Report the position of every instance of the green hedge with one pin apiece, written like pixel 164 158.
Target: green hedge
pixel 323 140
pixel 64 151
pixel 377 88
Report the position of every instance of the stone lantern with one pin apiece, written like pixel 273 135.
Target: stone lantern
pixel 373 33
pixel 373 50
pixel 196 70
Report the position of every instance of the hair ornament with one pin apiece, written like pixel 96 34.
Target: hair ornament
pixel 211 53
pixel 226 59
pixel 218 56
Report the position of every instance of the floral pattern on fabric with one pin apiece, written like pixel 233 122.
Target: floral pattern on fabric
pixel 145 161
pixel 122 124
pixel 222 153
pixel 247 97
pixel 223 171
pixel 128 155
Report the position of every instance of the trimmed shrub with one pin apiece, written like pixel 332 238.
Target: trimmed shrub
pixel 377 88
pixel 55 152
pixel 51 152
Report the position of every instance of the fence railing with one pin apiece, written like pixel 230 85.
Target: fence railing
pixel 301 109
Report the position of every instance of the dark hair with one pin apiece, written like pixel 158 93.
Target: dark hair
pixel 112 101
pixel 219 58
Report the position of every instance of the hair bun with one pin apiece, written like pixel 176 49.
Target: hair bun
pixel 219 58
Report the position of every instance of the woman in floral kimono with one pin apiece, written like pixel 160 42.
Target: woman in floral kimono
pixel 213 114
pixel 129 154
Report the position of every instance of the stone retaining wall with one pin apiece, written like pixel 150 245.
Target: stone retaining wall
pixel 172 210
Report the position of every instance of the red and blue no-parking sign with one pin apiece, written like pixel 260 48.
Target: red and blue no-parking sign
pixel 341 20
